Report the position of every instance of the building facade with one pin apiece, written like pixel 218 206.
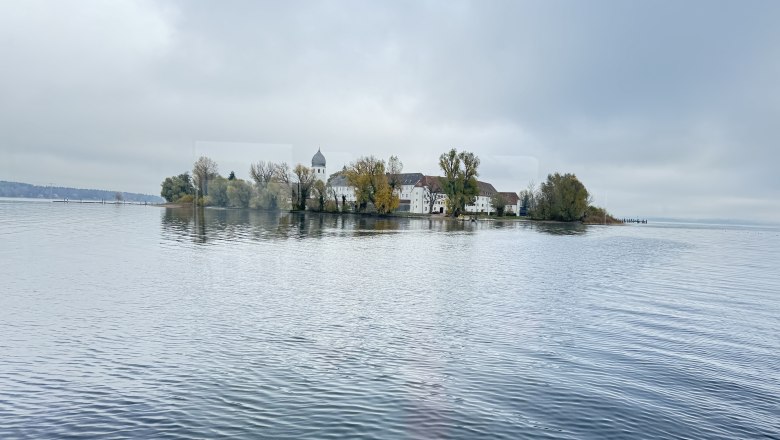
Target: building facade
pixel 418 193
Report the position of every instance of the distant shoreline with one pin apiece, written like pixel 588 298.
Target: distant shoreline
pixel 50 192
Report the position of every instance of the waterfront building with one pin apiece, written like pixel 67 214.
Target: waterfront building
pixel 512 203
pixel 416 192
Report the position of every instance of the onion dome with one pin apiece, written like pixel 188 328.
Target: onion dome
pixel 318 160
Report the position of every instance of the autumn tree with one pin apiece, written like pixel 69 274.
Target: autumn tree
pixel 367 176
pixel 460 179
pixel 204 170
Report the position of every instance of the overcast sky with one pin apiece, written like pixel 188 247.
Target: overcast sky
pixel 662 108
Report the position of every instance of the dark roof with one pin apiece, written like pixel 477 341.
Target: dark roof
pixel 318 160
pixel 511 198
pixel 339 179
pixel 431 182
pixel 486 189
pixel 409 178
pixel 405 178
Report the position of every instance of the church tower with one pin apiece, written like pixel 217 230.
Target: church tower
pixel 318 166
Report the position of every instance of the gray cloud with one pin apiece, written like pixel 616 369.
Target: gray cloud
pixel 660 108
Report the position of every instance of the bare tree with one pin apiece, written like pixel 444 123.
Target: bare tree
pixel 204 170
pixel 263 172
pixel 332 193
pixel 282 173
pixel 394 169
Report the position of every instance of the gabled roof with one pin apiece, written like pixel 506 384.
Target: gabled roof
pixel 339 179
pixel 434 182
pixel 486 189
pixel 409 178
pixel 431 182
pixel 511 198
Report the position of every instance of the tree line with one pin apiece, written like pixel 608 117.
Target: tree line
pixel 376 184
pixel 274 186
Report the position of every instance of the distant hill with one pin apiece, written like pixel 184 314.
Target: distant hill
pixel 17 189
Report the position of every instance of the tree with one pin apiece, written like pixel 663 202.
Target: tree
pixel 272 196
pixel 432 192
pixel 176 187
pixel 119 197
pixel 320 193
pixel 263 172
pixel 596 215
pixel 282 173
pixel 239 193
pixel 367 176
pixel 460 179
pixel 386 200
pixel 499 202
pixel 232 176
pixel 271 185
pixel 332 193
pixel 528 199
pixel 204 170
pixel 217 192
pixel 561 197
pixel 394 170
pixel 304 180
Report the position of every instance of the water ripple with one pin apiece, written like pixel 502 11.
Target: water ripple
pixel 140 322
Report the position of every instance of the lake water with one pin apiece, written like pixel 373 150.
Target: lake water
pixel 146 322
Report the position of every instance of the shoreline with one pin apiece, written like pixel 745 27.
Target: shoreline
pixel 438 217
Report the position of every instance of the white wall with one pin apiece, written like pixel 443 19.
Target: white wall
pixel 319 173
pixel 482 204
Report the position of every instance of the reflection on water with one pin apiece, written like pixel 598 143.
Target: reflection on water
pixel 561 228
pixel 205 225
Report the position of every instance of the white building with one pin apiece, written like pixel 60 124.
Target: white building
pixel 344 192
pixel 512 203
pixel 318 166
pixel 417 192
